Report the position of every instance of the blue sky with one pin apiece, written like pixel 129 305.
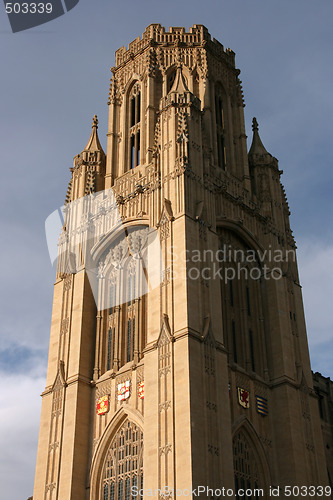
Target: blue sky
pixel 56 77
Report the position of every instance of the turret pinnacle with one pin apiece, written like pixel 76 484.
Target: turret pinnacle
pixel 257 147
pixel 91 163
pixel 93 143
pixel 179 85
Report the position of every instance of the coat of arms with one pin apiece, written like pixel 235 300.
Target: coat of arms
pixel 102 405
pixel 243 397
pixel 262 405
pixel 141 390
pixel 123 390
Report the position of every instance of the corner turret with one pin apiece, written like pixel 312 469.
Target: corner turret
pixel 88 169
pixel 265 176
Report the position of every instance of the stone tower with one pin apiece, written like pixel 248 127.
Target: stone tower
pixel 178 351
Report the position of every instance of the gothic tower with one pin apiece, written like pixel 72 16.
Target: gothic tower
pixel 178 352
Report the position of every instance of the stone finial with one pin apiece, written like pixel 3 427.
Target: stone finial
pixel 93 143
pixel 255 125
pixel 257 147
pixel 95 122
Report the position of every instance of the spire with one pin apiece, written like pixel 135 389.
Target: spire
pixel 93 143
pixel 257 147
pixel 179 85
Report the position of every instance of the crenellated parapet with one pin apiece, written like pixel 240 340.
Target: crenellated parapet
pixel 159 50
pixel 155 35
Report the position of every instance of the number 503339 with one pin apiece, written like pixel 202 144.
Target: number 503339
pixel 28 8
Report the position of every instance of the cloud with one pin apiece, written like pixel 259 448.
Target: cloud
pixel 20 409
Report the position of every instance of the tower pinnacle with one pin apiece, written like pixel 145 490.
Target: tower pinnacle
pixel 179 84
pixel 257 147
pixel 93 143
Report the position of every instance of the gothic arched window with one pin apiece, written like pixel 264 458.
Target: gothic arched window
pixel 134 126
pixel 220 127
pixel 246 468
pixel 123 466
pixel 242 304
pixel 122 293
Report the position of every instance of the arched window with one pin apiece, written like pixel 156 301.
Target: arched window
pixel 246 467
pixel 242 304
pixel 122 293
pixel 134 125
pixel 123 466
pixel 220 127
pixel 124 316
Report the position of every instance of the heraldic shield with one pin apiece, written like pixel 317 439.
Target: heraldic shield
pixel 243 397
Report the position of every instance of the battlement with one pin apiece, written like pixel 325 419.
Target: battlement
pixel 197 35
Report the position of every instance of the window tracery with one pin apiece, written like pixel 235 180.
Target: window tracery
pixel 243 305
pixel 123 295
pixel 246 467
pixel 123 466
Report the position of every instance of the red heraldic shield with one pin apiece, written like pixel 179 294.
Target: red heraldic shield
pixel 102 405
pixel 243 397
pixel 141 391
